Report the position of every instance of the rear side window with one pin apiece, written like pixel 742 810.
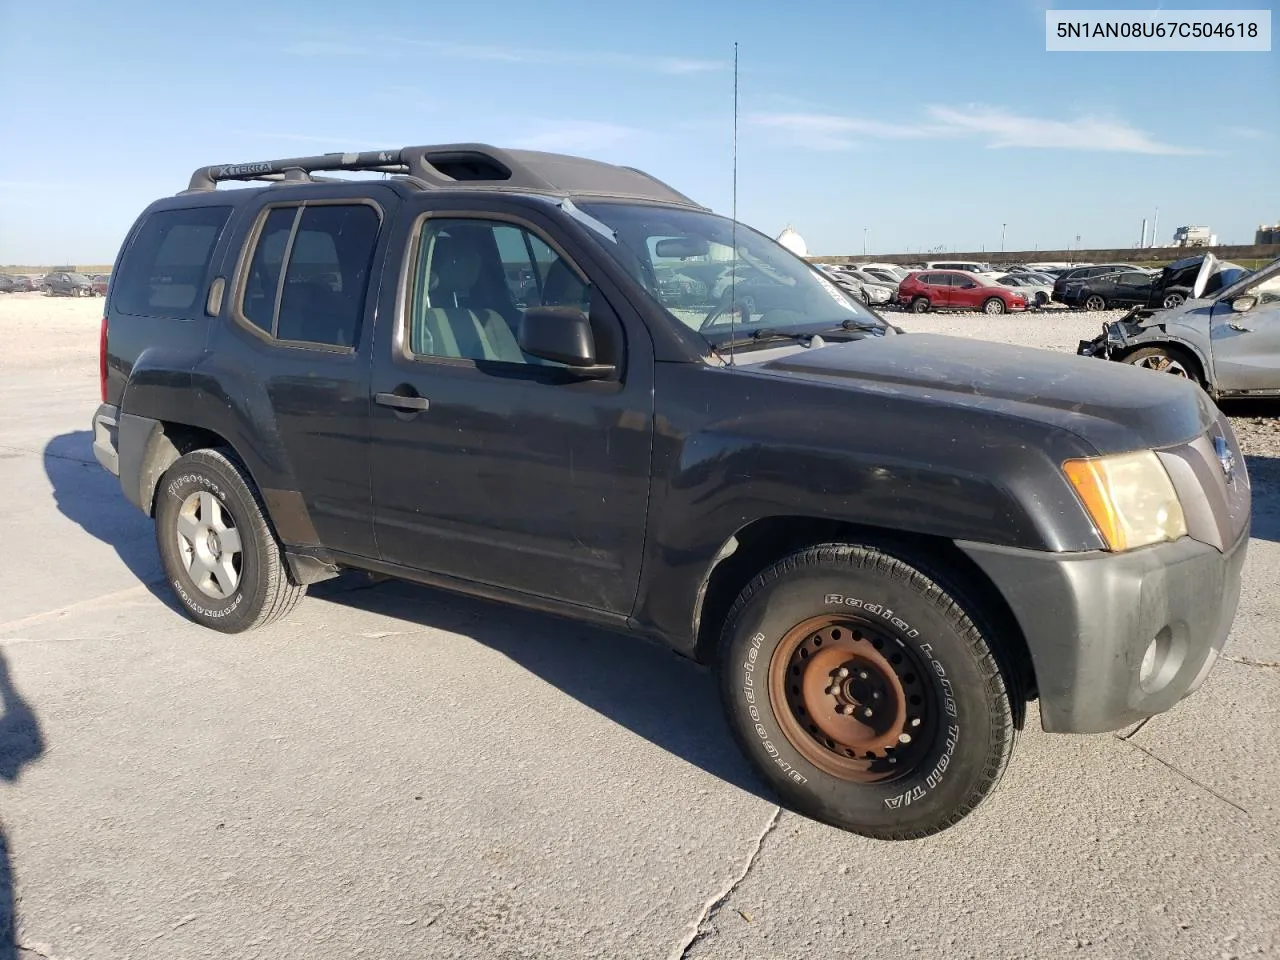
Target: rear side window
pixel 307 278
pixel 164 270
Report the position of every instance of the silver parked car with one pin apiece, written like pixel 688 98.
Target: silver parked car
pixel 1036 288
pixel 1228 341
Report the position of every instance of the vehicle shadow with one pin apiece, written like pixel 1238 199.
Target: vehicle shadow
pixel 658 695
pixel 89 496
pixel 20 744
pixel 1264 477
pixel 1264 470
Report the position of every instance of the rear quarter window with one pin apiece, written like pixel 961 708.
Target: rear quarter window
pixel 163 272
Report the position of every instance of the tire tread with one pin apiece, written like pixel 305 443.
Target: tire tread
pixel 1001 683
pixel 281 594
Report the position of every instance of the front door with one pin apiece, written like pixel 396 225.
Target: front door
pixel 490 465
pixel 1246 346
pixel 965 291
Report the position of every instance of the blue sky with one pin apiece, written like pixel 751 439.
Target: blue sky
pixel 928 124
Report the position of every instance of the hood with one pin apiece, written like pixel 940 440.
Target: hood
pixel 1114 407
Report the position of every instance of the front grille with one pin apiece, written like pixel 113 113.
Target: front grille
pixel 1217 506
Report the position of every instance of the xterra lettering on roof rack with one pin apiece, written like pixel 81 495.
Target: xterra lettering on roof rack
pixel 459 166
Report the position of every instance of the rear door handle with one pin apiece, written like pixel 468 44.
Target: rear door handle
pixel 398 402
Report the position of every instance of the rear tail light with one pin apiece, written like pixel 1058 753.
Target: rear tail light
pixel 102 359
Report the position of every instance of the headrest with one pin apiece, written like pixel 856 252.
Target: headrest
pixel 455 265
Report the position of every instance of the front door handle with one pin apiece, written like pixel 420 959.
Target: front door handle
pixel 399 402
pixel 1240 327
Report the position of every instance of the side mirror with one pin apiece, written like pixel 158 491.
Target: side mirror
pixel 1244 303
pixel 562 335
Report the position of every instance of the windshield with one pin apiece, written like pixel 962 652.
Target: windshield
pixel 685 259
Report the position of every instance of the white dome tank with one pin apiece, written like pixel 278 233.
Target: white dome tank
pixel 790 239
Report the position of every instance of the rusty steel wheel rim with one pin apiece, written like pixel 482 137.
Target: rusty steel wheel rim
pixel 852 699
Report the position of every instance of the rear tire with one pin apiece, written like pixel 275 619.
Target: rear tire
pixel 1095 303
pixel 219 555
pixel 838 634
pixel 1172 300
pixel 920 305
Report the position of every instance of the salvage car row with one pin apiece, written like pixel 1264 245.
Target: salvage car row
pixel 969 285
pixel 60 284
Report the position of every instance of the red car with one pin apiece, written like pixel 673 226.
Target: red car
pixel 925 290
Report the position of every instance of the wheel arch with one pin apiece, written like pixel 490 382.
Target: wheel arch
pixel 156 445
pixel 1167 342
pixel 758 544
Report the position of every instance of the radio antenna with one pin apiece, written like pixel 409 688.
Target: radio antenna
pixel 733 229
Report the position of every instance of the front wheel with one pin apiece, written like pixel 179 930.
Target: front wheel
pixel 1165 360
pixel 218 553
pixel 994 306
pixel 865 693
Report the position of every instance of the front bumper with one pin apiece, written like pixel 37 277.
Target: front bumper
pixel 1090 619
pixel 106 445
pixel 1114 337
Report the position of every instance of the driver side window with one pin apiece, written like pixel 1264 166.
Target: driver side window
pixel 1267 292
pixel 474 279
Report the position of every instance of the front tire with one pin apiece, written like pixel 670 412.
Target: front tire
pixel 993 307
pixel 865 693
pixel 219 555
pixel 1166 360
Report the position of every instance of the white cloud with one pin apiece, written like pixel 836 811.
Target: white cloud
pixel 529 56
pixel 820 131
pixel 574 136
pixel 997 127
pixel 1003 129
pixel 1248 133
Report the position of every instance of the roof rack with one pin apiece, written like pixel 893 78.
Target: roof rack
pixel 458 165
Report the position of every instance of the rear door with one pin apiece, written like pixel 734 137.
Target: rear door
pixel 490 466
pixel 291 357
pixel 1130 288
pixel 937 288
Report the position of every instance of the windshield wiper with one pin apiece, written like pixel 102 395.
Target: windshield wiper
pixel 762 336
pixel 860 325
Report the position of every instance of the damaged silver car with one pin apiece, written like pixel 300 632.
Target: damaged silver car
pixel 1225 337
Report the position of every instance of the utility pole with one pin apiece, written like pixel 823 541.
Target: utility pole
pixel 1155 227
pixel 1003 227
pixel 864 240
pixel 1143 242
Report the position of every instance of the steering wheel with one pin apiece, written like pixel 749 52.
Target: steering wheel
pixel 742 307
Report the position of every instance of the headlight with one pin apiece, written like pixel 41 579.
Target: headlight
pixel 1130 498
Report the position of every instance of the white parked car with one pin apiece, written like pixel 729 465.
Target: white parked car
pixel 1036 287
pixel 895 270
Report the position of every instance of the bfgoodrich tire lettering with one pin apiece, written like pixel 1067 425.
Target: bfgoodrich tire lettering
pixel 262 591
pixel 961 727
